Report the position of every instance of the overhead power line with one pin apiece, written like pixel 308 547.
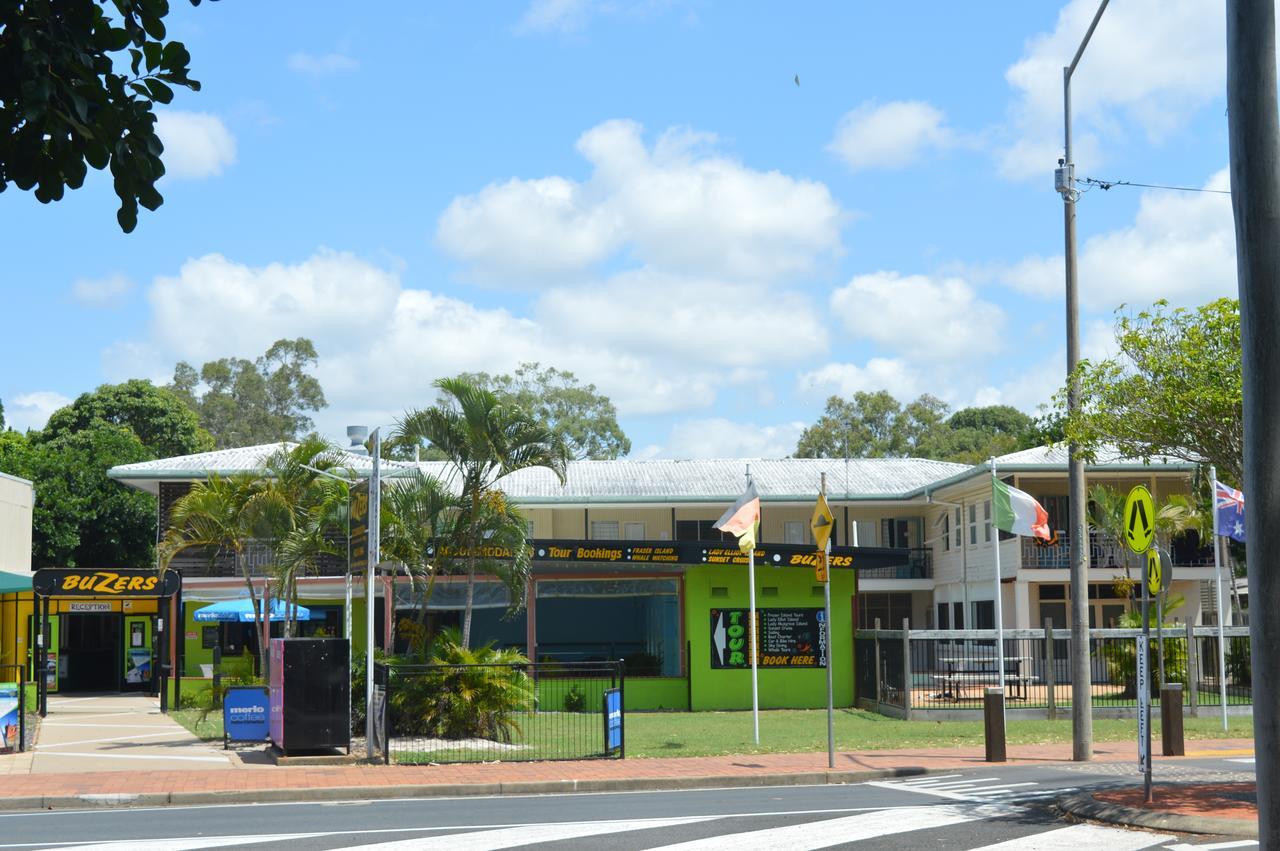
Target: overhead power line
pixel 1107 184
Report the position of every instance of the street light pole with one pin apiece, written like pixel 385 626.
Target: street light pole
pixel 1081 679
pixel 375 544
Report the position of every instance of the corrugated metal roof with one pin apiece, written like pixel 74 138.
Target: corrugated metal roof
pixel 1105 456
pixel 225 462
pixel 664 480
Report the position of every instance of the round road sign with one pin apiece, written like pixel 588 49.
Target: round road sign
pixel 1139 520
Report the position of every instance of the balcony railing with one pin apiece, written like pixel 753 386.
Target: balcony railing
pixel 916 564
pixel 1105 551
pixel 207 562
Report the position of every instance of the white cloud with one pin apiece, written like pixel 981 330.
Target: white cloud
pixel 1181 247
pixel 570 16
pixel 845 379
pixel 922 317
pixel 32 410
pixel 381 345
pixel 717 437
pixel 1150 65
pixel 321 64
pixel 676 207
pixel 701 321
pixel 891 135
pixel 196 144
pixel 106 292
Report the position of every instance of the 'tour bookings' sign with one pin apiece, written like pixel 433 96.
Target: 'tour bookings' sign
pixel 789 638
pixel 125 582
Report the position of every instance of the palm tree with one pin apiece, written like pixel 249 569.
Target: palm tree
pixel 299 513
pixel 213 514
pixel 484 439
pixel 420 516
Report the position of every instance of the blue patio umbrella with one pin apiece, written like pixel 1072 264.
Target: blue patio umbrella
pixel 241 611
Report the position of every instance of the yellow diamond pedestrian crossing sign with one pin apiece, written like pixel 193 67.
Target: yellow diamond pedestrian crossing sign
pixel 1139 520
pixel 822 522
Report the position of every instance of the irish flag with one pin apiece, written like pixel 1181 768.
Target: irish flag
pixel 1018 512
pixel 741 519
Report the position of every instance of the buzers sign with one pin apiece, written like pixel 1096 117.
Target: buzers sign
pixel 125 582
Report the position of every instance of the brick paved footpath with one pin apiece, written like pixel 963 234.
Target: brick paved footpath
pixel 597 775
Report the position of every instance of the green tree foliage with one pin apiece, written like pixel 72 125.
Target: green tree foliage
pixel 1175 388
pixel 82 518
pixel 876 425
pixel 159 418
pixel 585 419
pixel 484 439
pixel 245 403
pixel 78 83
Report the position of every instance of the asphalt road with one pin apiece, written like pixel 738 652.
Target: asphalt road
pixel 1004 807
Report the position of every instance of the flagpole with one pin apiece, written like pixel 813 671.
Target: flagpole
pixel 999 606
pixel 1217 572
pixel 751 593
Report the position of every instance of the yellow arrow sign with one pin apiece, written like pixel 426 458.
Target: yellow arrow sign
pixel 1155 571
pixel 1139 520
pixel 822 522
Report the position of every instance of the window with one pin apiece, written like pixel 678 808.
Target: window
pixel 698 530
pixel 944 621
pixel 973 525
pixel 633 531
pixel 591 620
pixel 959 529
pixel 984 614
pixel 946 532
pixel 986 519
pixel 891 609
pixel 957 615
pixel 604 530
pixel 793 532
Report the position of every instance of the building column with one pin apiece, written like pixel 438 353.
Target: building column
pixel 1022 605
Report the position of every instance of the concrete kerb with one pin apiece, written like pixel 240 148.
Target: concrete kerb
pixel 449 790
pixel 1085 806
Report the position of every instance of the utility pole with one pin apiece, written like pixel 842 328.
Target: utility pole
pixel 1252 119
pixel 374 522
pixel 1081 676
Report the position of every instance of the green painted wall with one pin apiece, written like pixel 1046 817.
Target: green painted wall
pixel 638 693
pixel 797 688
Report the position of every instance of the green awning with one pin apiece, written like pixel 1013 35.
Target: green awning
pixel 14 583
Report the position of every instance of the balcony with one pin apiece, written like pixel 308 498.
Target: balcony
pixel 913 563
pixel 206 562
pixel 1105 551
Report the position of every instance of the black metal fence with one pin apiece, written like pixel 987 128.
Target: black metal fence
pixel 499 713
pixel 950 669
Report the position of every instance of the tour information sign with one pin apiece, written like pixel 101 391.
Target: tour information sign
pixel 789 638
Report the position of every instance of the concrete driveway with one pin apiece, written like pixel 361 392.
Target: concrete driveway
pixel 117 732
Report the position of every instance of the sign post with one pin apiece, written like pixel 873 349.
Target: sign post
pixel 822 524
pixel 1140 533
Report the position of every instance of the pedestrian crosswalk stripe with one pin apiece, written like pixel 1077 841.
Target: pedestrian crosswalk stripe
pixel 1082 836
pixel 838 831
pixel 513 837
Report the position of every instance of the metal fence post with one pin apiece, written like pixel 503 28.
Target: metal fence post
pixel 1193 671
pixel 879 674
pixel 622 708
pixel 1050 675
pixel 906 667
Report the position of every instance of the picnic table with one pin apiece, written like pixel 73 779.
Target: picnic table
pixel 974 671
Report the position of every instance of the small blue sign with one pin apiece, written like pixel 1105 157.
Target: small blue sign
pixel 244 714
pixel 612 719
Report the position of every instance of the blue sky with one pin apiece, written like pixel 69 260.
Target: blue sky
pixel 639 192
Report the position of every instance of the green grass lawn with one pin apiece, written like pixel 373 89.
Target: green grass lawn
pixel 652 734
pixel 657 734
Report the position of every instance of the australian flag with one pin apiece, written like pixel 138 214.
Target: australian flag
pixel 1229 505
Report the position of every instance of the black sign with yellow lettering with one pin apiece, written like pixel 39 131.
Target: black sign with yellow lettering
pixel 125 582
pixel 789 638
